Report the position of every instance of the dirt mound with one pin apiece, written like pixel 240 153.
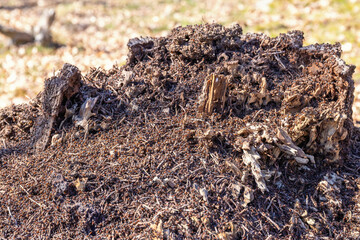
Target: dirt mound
pixel 205 133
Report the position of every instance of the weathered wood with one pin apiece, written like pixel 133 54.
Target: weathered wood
pixel 57 91
pixel 41 33
pixel 214 94
pixel 17 37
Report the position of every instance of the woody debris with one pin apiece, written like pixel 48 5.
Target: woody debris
pixel 207 133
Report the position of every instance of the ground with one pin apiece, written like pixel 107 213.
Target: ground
pixel 183 178
pixel 207 133
pixel 95 33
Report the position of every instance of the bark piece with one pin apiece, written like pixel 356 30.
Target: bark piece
pixel 57 91
pixel 85 112
pixel 251 158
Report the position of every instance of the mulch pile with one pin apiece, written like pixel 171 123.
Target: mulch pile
pixel 207 133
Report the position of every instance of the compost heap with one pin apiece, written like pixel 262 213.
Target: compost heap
pixel 205 133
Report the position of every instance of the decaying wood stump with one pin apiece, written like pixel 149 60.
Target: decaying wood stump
pixel 189 136
pixel 298 109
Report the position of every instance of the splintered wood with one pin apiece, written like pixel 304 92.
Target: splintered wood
pixel 57 92
pixel 214 94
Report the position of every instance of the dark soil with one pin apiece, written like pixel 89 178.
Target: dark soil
pixel 204 134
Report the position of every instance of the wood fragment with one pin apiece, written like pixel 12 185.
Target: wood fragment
pixel 271 221
pixel 41 31
pixel 214 94
pixel 251 158
pixel 56 92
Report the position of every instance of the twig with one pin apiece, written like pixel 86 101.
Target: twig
pixel 282 66
pixel 4 143
pixel 271 221
pixel 40 205
pixel 273 53
pixel 12 217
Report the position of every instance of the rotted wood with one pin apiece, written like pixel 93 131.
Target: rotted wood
pixel 214 94
pixel 40 34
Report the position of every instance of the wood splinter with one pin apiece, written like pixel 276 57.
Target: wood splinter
pixel 214 94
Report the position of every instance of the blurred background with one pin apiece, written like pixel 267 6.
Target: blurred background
pixel 95 33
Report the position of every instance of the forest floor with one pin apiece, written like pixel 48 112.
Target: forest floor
pixel 95 33
pixel 143 146
pixel 207 133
